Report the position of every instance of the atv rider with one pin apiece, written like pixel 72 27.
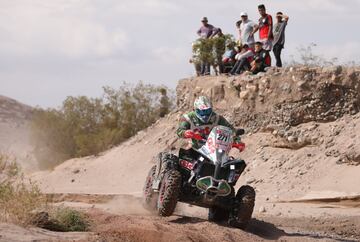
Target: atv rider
pixel 198 124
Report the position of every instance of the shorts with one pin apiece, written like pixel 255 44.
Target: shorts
pixel 267 44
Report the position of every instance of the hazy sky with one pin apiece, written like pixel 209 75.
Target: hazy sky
pixel 50 49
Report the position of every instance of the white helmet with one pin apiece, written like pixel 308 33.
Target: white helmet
pixel 203 108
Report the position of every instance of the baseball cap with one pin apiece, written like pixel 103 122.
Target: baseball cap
pixel 204 19
pixel 243 14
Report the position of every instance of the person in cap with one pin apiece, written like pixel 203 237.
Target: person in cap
pixel 265 28
pixel 279 36
pixel 246 29
pixel 207 30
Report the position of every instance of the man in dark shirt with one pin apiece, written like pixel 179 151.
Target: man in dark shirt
pixel 261 59
pixel 279 36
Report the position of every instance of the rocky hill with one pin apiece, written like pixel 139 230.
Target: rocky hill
pixel 302 138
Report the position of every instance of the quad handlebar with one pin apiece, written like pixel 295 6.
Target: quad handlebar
pixel 189 134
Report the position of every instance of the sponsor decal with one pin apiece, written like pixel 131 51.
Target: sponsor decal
pixel 186 164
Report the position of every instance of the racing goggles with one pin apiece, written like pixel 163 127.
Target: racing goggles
pixel 204 112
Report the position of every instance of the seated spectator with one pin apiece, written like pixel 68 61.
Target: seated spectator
pixel 243 60
pixel 261 59
pixel 207 31
pixel 229 58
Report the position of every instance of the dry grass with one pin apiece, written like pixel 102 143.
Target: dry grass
pixel 19 199
pixel 22 203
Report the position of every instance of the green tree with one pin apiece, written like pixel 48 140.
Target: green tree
pixel 87 126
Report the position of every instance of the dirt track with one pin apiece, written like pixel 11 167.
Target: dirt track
pixel 122 218
pixel 184 228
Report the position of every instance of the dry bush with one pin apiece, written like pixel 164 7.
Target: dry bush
pixel 70 220
pixel 308 57
pixel 22 203
pixel 18 199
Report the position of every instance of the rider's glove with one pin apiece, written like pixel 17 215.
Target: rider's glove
pixel 189 134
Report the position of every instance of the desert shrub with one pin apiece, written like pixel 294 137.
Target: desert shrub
pixel 68 220
pixel 87 126
pixel 18 198
pixel 308 57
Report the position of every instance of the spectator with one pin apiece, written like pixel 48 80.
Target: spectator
pixel 265 28
pixel 279 36
pixel 237 24
pixel 244 58
pixel 219 50
pixel 261 59
pixel 246 29
pixel 207 30
pixel 195 59
pixel 228 60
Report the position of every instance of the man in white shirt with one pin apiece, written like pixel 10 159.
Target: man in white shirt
pixel 246 30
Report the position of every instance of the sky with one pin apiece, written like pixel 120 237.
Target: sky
pixel 53 49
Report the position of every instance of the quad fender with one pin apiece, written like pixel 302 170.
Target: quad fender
pixel 165 162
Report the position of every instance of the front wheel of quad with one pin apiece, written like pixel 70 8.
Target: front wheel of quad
pixel 149 196
pixel 246 202
pixel 169 193
pixel 217 214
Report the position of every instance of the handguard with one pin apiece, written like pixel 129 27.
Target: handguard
pixel 189 134
pixel 240 146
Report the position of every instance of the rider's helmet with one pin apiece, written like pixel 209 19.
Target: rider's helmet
pixel 203 108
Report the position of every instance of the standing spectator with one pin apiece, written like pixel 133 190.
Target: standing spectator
pixel 219 48
pixel 207 30
pixel 195 58
pixel 265 28
pixel 261 59
pixel 244 58
pixel 164 103
pixel 246 30
pixel 279 36
pixel 237 24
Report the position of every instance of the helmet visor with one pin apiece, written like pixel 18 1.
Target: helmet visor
pixel 204 114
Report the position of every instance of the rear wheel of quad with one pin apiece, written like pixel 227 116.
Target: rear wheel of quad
pixel 169 192
pixel 217 214
pixel 149 197
pixel 246 199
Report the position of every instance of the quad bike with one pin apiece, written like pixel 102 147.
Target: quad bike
pixel 203 177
